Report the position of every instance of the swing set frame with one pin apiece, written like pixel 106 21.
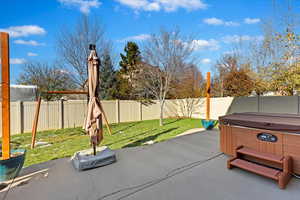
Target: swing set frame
pixel 5 91
pixel 37 112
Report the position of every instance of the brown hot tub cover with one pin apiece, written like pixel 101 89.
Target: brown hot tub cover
pixel 270 121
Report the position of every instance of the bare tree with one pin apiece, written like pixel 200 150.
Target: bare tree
pixel 187 89
pixel 187 85
pixel 73 46
pixel 267 59
pixel 167 54
pixel 278 53
pixel 224 65
pixel 46 77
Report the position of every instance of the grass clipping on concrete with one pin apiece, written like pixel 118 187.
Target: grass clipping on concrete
pixel 65 142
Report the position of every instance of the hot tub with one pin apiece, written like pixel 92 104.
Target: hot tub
pixel 266 132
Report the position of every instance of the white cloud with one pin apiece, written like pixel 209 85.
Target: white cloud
pixel 210 44
pixel 166 5
pixel 140 37
pixel 83 5
pixel 229 53
pixel 28 42
pixel 238 38
pixel 23 31
pixel 32 54
pixel 213 21
pixel 251 20
pixel 153 7
pixel 17 61
pixel 217 22
pixel 231 23
pixel 206 61
pixel 135 4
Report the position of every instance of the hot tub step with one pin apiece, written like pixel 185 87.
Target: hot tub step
pixel 255 168
pixel 260 155
pixel 282 176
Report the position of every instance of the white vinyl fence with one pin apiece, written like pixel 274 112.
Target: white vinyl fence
pixel 68 114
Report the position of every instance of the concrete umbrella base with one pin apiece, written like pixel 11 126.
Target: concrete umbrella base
pixel 85 159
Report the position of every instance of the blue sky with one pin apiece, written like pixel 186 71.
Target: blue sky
pixel 216 24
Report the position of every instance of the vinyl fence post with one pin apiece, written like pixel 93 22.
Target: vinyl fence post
pixel 118 111
pixel 178 110
pixel 258 103
pixel 298 106
pixel 141 110
pixel 61 113
pixel 20 116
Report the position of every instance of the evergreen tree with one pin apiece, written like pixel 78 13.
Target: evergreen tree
pixel 124 91
pixel 108 79
pixel 128 67
pixel 131 58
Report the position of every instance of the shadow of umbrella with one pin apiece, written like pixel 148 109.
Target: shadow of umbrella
pixel 173 121
pixel 128 138
pixel 146 139
pixel 127 127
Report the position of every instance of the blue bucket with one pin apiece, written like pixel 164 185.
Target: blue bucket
pixel 11 167
pixel 208 124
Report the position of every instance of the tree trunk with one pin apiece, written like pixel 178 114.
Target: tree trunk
pixel 222 88
pixel 162 102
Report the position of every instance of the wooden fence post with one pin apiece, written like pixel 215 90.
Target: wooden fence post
pixel 5 95
pixel 208 96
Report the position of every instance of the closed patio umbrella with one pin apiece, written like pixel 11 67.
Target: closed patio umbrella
pixel 93 121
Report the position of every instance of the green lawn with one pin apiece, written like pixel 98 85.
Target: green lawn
pixel 65 142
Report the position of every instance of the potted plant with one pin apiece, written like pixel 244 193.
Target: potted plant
pixel 10 168
pixel 209 124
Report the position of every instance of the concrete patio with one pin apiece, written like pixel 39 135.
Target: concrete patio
pixel 186 167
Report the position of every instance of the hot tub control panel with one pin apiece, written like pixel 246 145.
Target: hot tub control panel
pixel 267 137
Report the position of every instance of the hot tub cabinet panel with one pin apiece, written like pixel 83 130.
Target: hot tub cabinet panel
pixel 291 147
pixel 283 143
pixel 233 137
pixel 227 140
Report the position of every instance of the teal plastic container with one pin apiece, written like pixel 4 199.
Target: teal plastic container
pixel 209 124
pixel 11 168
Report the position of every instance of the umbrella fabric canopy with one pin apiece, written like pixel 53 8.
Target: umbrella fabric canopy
pixel 93 121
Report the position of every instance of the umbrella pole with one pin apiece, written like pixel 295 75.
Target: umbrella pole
pixel 92 47
pixel 94 149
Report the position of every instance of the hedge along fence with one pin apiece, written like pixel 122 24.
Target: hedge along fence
pixel 69 114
